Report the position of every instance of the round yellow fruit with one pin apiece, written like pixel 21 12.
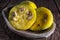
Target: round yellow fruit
pixel 22 17
pixel 29 3
pixel 44 19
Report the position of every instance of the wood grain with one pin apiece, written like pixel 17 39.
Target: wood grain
pixel 46 3
pixel 57 2
pixel 3 3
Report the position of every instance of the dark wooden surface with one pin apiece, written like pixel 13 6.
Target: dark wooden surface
pixel 57 2
pixel 53 5
pixel 3 4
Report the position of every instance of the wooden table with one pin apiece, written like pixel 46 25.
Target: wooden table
pixel 53 5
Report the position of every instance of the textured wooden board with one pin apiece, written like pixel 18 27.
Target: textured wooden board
pixel 57 2
pixel 46 3
pixel 3 3
pixel 3 35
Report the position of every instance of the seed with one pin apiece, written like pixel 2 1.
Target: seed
pixel 22 9
pixel 15 19
pixel 13 14
pixel 29 15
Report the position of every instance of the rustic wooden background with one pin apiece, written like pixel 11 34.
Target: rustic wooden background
pixel 53 5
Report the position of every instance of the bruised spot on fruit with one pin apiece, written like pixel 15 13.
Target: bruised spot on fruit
pixel 45 18
pixel 29 15
pixel 38 25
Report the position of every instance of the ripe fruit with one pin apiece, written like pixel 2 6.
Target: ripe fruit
pixel 29 3
pixel 44 19
pixel 22 17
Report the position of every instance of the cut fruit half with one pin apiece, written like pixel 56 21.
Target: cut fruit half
pixel 22 17
pixel 44 19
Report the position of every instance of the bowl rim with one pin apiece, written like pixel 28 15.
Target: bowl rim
pixel 25 33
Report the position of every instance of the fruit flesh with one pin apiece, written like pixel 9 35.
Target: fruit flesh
pixel 22 19
pixel 44 19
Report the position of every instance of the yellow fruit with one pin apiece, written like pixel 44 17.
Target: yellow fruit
pixel 29 3
pixel 22 17
pixel 44 19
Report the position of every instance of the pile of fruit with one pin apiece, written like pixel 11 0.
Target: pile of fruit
pixel 26 16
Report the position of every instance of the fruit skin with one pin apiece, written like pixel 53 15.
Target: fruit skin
pixel 40 12
pixel 29 3
pixel 29 23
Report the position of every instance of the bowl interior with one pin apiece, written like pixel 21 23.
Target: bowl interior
pixel 6 13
